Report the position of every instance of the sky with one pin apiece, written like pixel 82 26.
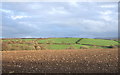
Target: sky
pixel 59 19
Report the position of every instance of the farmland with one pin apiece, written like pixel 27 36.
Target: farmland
pixel 57 44
pixel 60 61
pixel 59 55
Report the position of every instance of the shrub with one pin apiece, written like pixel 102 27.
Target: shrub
pixel 113 46
pixel 40 47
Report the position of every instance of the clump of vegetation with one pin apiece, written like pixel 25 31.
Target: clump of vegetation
pixel 38 46
pixel 71 47
pixel 84 47
pixel 113 46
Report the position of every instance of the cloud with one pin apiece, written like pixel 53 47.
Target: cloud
pixel 106 18
pixel 59 19
pixel 19 17
pixel 59 10
pixel 94 26
pixel 107 15
pixel 28 24
pixel 106 12
pixel 6 11
pixel 35 6
pixel 11 14
pixel 73 3
pixel 108 6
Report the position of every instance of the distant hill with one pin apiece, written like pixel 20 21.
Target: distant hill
pixel 109 38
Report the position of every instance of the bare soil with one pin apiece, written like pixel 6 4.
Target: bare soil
pixel 60 61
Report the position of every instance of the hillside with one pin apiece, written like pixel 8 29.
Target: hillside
pixel 57 43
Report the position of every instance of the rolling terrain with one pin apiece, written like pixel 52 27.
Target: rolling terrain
pixel 57 44
pixel 59 55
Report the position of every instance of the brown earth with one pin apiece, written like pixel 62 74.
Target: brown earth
pixel 60 61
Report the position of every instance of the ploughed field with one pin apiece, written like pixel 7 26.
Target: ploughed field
pixel 60 61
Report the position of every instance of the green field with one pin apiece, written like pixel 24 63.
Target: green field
pixel 18 39
pixel 100 42
pixel 58 44
pixel 59 40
